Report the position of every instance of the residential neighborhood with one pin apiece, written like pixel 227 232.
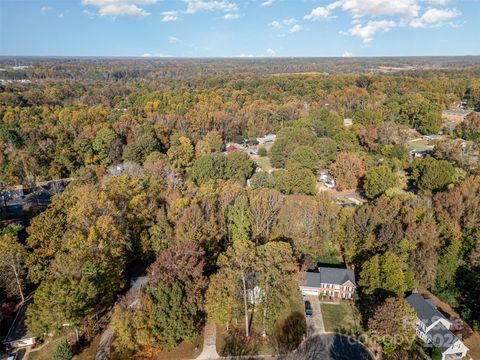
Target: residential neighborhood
pixel 203 179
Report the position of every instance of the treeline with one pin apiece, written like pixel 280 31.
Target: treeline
pixel 115 69
pixel 52 131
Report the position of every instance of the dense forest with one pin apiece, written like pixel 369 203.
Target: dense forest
pixel 156 193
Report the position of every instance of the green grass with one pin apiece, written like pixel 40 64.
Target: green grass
pixel 295 304
pixel 343 318
pixel 264 163
pixel 419 145
pixel 331 259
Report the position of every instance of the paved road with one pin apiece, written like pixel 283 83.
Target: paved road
pixel 209 342
pixel 329 346
pixel 315 324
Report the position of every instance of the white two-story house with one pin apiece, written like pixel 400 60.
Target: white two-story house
pixel 434 328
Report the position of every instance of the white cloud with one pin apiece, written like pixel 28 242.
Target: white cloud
pixel 171 15
pixel 231 16
pixel 275 24
pixel 271 52
pixel 44 10
pixel 359 8
pixel 288 22
pixel 323 12
pixel 285 22
pixel 172 39
pixel 296 28
pixel 148 55
pixel 194 6
pixel 434 18
pixel 319 13
pixel 347 54
pixel 438 2
pixel 267 2
pixel 60 15
pixel 245 55
pixel 115 8
pixel 367 31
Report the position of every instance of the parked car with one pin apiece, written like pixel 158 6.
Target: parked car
pixel 308 309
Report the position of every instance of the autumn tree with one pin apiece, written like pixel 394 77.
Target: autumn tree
pixel 394 324
pixel 387 273
pixel 181 262
pixel 181 153
pixel 264 207
pixel 347 171
pixel 12 263
pixel 276 271
pixel 238 264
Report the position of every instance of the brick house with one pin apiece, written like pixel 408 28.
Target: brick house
pixel 330 283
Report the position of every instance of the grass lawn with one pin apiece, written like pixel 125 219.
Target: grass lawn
pixel 185 350
pixel 343 318
pixel 419 145
pixel 264 163
pixel 263 346
pixel 45 352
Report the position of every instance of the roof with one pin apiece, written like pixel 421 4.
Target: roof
pixel 18 330
pixel 440 336
pixel 456 112
pixel 329 276
pixel 426 312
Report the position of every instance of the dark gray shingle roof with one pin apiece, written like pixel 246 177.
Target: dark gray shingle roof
pixel 427 313
pixel 329 276
pixel 442 337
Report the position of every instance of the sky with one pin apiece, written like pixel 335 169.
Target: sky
pixel 239 28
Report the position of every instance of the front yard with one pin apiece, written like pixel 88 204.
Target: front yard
pixel 343 318
pixel 291 321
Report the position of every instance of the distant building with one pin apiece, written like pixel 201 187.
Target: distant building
pixel 231 148
pixel 18 336
pixel 433 328
pixel 267 139
pixel 455 115
pixel 330 282
pixel 347 122
pixel 327 179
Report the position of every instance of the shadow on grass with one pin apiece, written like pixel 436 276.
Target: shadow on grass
pixel 237 344
pixel 288 335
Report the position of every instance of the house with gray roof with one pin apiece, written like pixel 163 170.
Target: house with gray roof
pixel 328 282
pixel 18 336
pixel 434 328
